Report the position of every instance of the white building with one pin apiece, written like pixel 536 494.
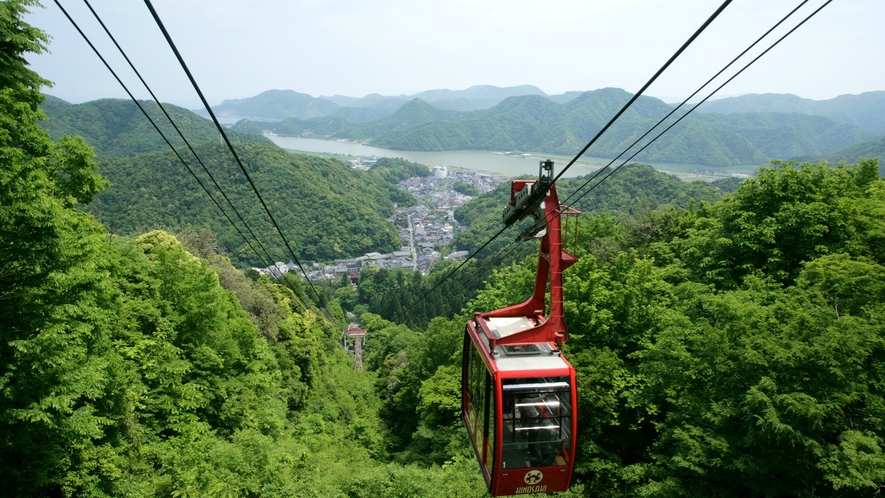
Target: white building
pixel 440 171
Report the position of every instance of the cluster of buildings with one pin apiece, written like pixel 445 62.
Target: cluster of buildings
pixel 425 230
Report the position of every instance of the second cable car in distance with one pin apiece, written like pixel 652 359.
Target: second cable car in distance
pixel 518 393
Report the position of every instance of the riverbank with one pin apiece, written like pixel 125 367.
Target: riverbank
pixel 489 162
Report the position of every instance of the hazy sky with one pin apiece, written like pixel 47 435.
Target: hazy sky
pixel 238 49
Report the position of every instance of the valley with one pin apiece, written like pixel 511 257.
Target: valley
pixel 726 337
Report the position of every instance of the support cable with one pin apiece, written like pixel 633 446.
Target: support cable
pixel 645 87
pixel 611 172
pixel 753 61
pixel 151 121
pixel 774 44
pixel 231 147
pixel 541 192
pixel 187 143
pixel 174 150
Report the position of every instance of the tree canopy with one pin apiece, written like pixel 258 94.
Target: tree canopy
pixel 723 349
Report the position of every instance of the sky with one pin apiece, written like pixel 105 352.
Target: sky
pixel 237 49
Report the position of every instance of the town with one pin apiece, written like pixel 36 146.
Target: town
pixel 426 230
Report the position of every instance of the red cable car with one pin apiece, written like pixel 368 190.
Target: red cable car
pixel 518 394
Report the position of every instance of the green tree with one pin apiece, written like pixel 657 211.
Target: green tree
pixel 56 367
pixel 790 214
pixel 465 188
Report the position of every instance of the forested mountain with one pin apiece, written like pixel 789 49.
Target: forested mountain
pixel 733 349
pixel 276 105
pixel 117 127
pixel 537 123
pixel 787 135
pixel 331 211
pixel 370 108
pixel 866 109
pixel 413 113
pixel 476 97
pixel 326 209
pixel 522 123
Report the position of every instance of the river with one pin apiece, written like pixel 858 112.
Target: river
pixel 480 161
pixel 487 161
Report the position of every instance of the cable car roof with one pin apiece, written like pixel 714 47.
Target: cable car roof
pixel 528 357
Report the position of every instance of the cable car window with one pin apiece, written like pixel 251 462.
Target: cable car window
pixel 481 410
pixel 537 416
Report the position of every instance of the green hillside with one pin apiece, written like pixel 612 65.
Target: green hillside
pixel 788 135
pixel 331 211
pixel 871 149
pixel 326 209
pixel 370 110
pixel 413 113
pixel 538 124
pixel 293 127
pixel 118 128
pixel 729 350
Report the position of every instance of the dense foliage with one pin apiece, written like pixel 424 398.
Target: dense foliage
pixel 406 297
pixel 394 170
pixel 133 367
pixel 735 350
pixel 326 209
pixel 465 188
pixel 730 349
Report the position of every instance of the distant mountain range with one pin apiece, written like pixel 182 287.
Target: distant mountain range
pixel 746 130
pixel 276 105
pixel 765 129
pixel 866 109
